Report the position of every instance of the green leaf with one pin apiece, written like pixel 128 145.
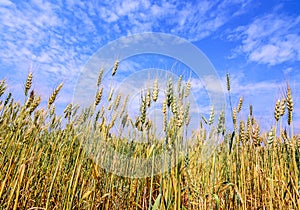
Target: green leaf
pixel 157 202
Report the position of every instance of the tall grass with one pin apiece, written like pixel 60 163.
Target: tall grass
pixel 44 164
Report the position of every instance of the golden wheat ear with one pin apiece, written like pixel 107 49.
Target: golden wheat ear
pixel 2 87
pixel 100 77
pixel 115 68
pixel 28 83
pixel 98 96
pixel 289 104
pixel 54 94
pixel 155 91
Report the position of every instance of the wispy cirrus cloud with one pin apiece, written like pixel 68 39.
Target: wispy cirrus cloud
pixel 271 39
pixel 60 36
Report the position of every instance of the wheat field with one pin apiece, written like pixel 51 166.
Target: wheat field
pixel 44 165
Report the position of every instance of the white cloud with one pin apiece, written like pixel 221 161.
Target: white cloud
pixel 192 20
pixel 271 39
pixel 60 37
pixel 5 3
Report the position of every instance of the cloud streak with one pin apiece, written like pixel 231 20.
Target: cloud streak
pixel 271 39
pixel 59 37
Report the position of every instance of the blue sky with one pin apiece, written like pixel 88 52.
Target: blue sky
pixel 257 42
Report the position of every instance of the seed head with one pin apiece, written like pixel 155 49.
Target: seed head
pixel 251 110
pixel 187 114
pixel 143 110
pixel 115 67
pixel 290 105
pixel 155 91
pixel 271 136
pixel 221 123
pixel 2 87
pixel 234 117
pixel 180 116
pixel 289 100
pixel 148 98
pixel 111 92
pixel 240 104
pixel 30 99
pixel 169 92
pixel 188 89
pixel 54 94
pixel 35 104
pixel 282 107
pixel 242 132
pixel 174 107
pixel 179 84
pixel 164 108
pixel 98 96
pixel 277 110
pixel 117 101
pixel 255 135
pixel 228 81
pixel 28 83
pixel 100 77
pixel 290 117
pixel 7 99
pixel 211 116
